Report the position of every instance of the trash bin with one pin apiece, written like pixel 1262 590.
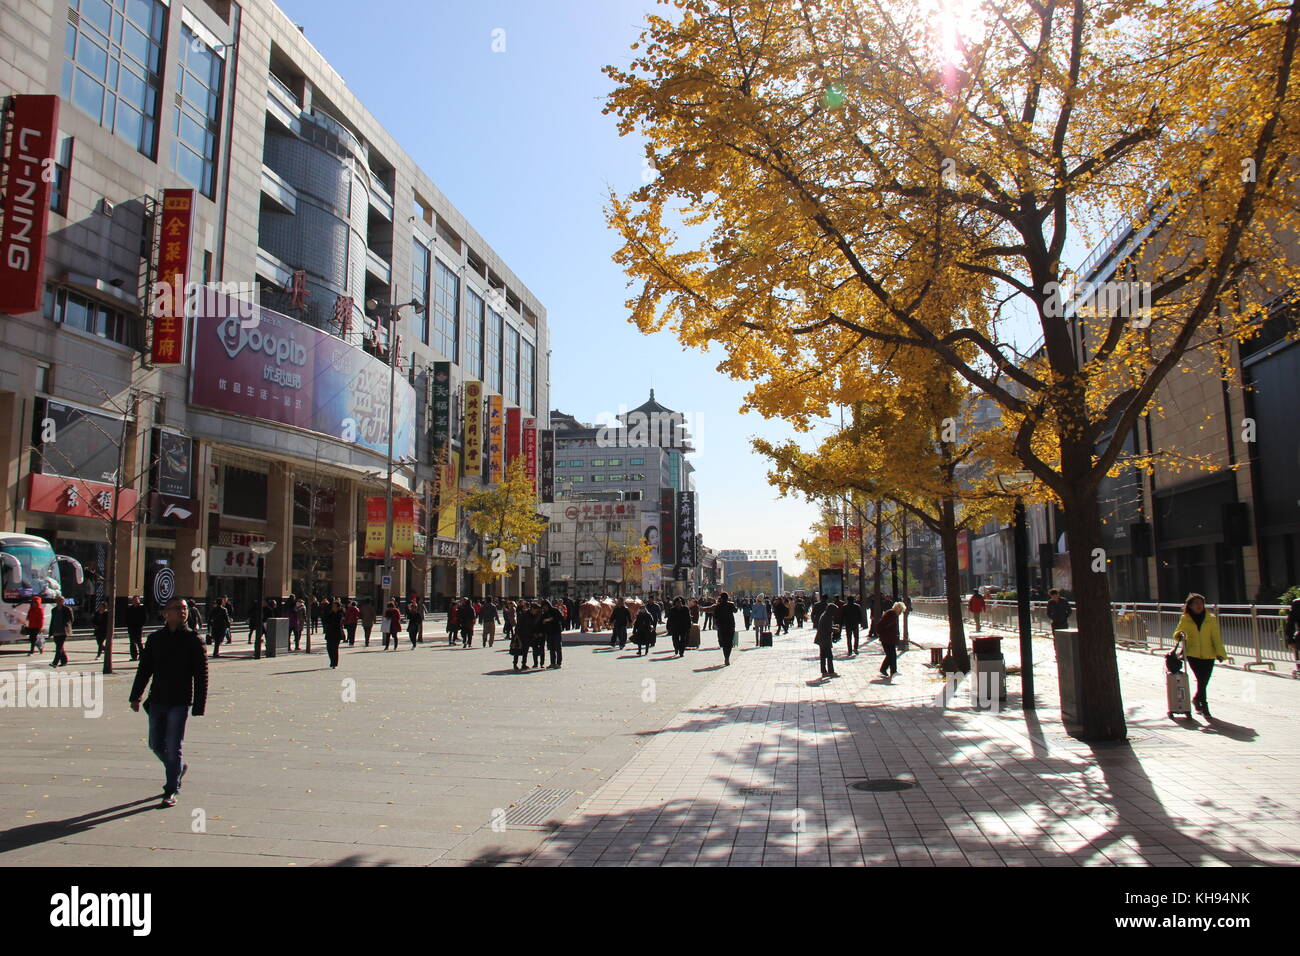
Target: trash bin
pixel 988 676
pixel 1086 669
pixel 277 635
pixel 987 648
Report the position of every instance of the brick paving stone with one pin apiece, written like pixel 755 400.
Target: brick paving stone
pixel 768 753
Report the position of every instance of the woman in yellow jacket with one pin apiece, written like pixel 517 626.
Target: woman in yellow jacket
pixel 1199 630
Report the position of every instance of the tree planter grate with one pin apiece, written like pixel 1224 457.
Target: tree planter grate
pixel 883 786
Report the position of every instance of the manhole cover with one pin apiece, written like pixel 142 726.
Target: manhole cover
pixel 883 786
pixel 759 791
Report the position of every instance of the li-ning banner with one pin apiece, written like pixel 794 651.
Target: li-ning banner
pixel 686 529
pixel 496 438
pixel 281 370
pixel 173 269
pixel 547 477
pixel 667 527
pixel 473 428
pixel 530 455
pixel 441 432
pixel 29 177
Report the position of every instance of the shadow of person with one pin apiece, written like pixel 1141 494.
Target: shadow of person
pixel 701 670
pixel 17 838
pixel 1232 731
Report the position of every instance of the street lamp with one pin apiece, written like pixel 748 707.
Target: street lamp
pixel 262 549
pixel 390 312
pixel 1015 484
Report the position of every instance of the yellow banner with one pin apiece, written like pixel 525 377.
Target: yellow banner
pixel 447 486
pixel 376 526
pixel 473 428
pixel 496 438
pixel 403 527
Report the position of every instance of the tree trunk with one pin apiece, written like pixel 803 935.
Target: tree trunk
pixel 1091 588
pixel 876 582
pixel 960 658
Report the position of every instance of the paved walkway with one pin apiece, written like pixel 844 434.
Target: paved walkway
pixel 760 769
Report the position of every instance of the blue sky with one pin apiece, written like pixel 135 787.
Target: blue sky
pixel 517 141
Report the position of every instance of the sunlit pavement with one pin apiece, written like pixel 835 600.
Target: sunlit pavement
pixel 441 755
pixel 760 769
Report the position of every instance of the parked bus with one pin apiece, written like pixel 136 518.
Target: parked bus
pixel 28 566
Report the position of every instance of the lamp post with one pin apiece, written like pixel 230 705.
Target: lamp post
pixel 390 313
pixel 262 549
pixel 1015 484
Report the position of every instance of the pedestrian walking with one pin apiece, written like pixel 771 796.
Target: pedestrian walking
pixel 679 625
pixel 453 625
pixel 758 613
pixel 976 606
pixel 707 608
pixel 296 611
pixel 537 642
pixel 885 628
pixel 415 621
pixel 35 626
pixel 174 660
pixel 332 620
pixel 99 623
pixel 825 637
pixel 724 619
pixel 643 632
pixel 367 617
pixel 1058 610
pixel 317 607
pixel 521 637
pixel 552 625
pixel 1199 631
pixel 508 620
pixel 800 612
pixel 351 618
pixel 392 626
pixel 851 618
pixel 219 625
pixel 136 618
pixel 1292 630
pixel 466 619
pixel 618 625
pixel 60 627
pixel 488 618
pixel 254 620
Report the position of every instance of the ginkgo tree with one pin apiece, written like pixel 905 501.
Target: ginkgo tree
pixel 888 174
pixel 505 520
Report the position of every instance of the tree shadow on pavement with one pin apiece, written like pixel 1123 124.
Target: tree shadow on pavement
pixel 971 794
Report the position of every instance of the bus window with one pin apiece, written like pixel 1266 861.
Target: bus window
pixel 38 572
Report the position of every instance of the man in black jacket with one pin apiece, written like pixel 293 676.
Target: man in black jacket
pixel 219 625
pixel 136 618
pixel 176 662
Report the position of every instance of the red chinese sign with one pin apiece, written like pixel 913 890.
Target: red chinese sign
pixel 514 437
pixel 77 496
pixel 297 290
pixel 343 314
pixel 29 176
pixel 473 428
pixel 530 453
pixel 173 270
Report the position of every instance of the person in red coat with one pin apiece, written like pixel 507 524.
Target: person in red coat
pixel 35 621
pixel 976 606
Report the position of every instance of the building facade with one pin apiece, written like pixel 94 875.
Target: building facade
pixel 273 425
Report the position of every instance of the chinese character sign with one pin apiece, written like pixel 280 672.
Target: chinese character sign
pixel 33 134
pixel 668 527
pixel 530 455
pixel 496 438
pixel 173 269
pixel 514 433
pixel 547 476
pixel 441 433
pixel 376 526
pixel 473 428
pixel 686 529
pixel 403 527
pixel 447 500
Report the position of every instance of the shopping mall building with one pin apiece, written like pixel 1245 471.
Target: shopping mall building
pixel 266 424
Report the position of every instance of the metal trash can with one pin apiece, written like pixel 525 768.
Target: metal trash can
pixel 278 636
pixel 987 676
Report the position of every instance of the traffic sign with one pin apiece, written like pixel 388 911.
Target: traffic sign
pixel 388 580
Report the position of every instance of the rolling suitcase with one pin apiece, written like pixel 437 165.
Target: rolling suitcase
pixel 693 639
pixel 765 639
pixel 1178 692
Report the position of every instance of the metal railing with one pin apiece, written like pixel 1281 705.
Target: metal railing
pixel 1251 631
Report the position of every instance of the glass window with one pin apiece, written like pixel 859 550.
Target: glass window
pixel 527 370
pixel 597 462
pixel 113 71
pixel 420 285
pixel 512 365
pixel 636 461
pixel 197 114
pixel 577 478
pixel 492 356
pixel 575 464
pixel 561 464
pixel 475 310
pixel 614 462
pixel 78 312
pixel 597 477
pixel 446 310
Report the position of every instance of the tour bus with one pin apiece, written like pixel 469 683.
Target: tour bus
pixel 28 566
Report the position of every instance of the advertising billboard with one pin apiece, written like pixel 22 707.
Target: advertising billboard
pixel 33 127
pixel 278 369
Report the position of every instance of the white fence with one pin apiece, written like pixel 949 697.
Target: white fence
pixel 1251 631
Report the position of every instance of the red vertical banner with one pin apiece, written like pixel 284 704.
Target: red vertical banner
pixel 530 453
pixel 836 535
pixel 403 527
pixel 496 438
pixel 29 176
pixel 514 436
pixel 173 269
